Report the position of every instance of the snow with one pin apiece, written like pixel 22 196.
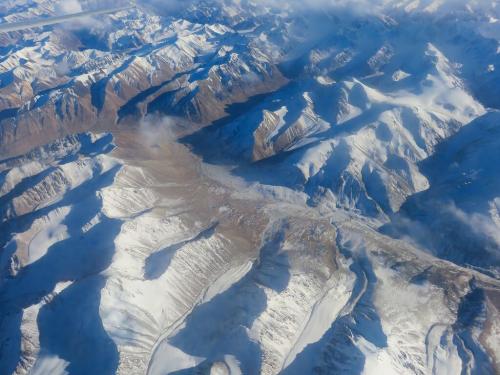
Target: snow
pixel 224 282
pixel 233 365
pixel 325 311
pixel 399 75
pixel 281 114
pixel 445 358
pixel 171 359
pixel 53 230
pixel 167 262
pixel 327 81
pixel 377 361
pixel 50 365
pixel 408 311
pixel 15 175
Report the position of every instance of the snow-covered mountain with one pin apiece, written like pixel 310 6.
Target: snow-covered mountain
pixel 250 187
pixel 75 77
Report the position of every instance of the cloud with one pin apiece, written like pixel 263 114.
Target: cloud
pixel 95 20
pixel 481 225
pixel 351 6
pixel 68 7
pixel 290 5
pixel 72 7
pixel 62 68
pixel 159 129
pixel 452 233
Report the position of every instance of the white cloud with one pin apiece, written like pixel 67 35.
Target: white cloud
pixel 68 7
pixel 481 225
pixel 354 6
pixel 156 129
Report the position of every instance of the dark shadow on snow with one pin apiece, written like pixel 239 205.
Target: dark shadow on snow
pixel 157 263
pixel 219 326
pixel 70 326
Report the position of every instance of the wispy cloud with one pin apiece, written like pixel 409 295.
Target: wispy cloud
pixel 359 6
pixel 80 16
pixel 157 129
pixel 68 7
pixel 479 224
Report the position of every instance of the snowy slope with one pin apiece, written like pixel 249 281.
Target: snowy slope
pixel 168 279
pixel 77 76
pixel 355 140
pixel 462 201
pixel 260 188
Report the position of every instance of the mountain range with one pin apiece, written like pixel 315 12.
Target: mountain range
pixel 250 187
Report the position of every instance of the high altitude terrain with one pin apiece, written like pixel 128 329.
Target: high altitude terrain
pixel 246 187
